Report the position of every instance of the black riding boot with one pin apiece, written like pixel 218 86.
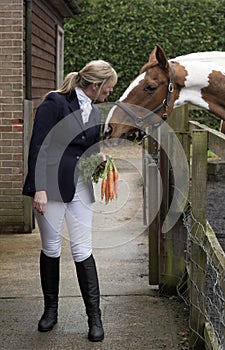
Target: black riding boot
pixel 88 281
pixel 49 271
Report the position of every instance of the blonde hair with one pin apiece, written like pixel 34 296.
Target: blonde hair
pixel 97 71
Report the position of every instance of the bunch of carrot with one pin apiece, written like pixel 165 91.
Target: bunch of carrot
pixel 109 188
pixel 95 167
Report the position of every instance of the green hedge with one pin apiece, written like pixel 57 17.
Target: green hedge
pixel 124 32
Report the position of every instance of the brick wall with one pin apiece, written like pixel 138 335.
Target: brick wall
pixel 11 116
pixel 17 107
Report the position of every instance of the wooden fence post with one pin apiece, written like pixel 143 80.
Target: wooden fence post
pixel 166 249
pixel 179 120
pixel 173 242
pixel 153 200
pixel 164 172
pixel 198 257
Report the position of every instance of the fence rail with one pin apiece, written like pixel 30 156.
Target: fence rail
pixel 216 140
pixel 188 258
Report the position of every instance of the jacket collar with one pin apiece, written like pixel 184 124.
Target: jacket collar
pixel 72 99
pixel 75 107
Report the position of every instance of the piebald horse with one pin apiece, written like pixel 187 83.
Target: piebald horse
pixel 196 78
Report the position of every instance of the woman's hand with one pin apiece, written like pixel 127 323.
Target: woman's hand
pixel 103 163
pixel 40 201
pixel 101 154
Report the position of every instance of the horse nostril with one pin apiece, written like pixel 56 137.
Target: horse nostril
pixel 107 132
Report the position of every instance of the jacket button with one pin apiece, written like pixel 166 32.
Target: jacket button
pixel 83 137
pixel 78 157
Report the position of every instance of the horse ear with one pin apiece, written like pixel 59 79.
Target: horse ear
pixel 158 56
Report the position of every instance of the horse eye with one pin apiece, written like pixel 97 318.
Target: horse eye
pixel 150 88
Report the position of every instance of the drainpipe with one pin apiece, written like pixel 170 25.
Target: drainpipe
pixel 28 45
pixel 28 217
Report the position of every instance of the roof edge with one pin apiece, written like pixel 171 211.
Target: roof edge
pixel 73 6
pixel 66 8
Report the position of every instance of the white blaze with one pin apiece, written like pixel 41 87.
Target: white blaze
pixel 134 83
pixel 108 119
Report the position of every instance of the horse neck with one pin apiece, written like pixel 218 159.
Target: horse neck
pixel 197 73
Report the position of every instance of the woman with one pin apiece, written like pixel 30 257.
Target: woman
pixel 67 125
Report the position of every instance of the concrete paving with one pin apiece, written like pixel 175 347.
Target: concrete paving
pixel 134 316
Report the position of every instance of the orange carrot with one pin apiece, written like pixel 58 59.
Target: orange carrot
pixel 103 188
pixel 115 180
pixel 107 192
pixel 110 182
pixel 109 187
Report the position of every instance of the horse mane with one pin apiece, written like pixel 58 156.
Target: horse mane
pixel 147 66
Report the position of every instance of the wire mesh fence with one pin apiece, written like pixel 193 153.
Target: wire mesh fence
pixel 213 291
pixel 202 283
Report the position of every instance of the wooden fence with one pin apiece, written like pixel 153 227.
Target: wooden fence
pixel 181 257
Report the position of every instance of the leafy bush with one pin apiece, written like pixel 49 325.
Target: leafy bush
pixel 205 117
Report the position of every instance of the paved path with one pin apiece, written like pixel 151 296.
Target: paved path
pixel 134 316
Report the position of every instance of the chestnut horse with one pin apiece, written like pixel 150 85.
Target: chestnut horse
pixel 197 78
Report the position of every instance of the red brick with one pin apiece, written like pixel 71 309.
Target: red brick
pixel 17 121
pixel 11 35
pixel 5 142
pixel 16 184
pixel 9 50
pixel 11 163
pixel 11 107
pixel 5 170
pixel 17 86
pixel 6 100
pixel 6 157
pixel 17 115
pixel 7 116
pixel 10 191
pixel 12 149
pixel 5 184
pixel 7 86
pixel 17 156
pixel 6 128
pixel 17 170
pixel 11 78
pixel 17 56
pixel 12 136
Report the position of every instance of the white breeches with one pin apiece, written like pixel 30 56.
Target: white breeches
pixel 78 217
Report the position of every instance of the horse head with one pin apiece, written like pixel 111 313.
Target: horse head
pixel 163 84
pixel 152 90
